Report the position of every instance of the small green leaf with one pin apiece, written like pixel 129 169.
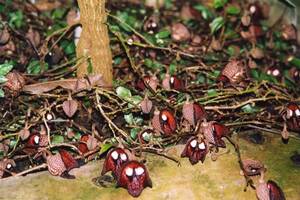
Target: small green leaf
pixel 294 61
pixel 216 24
pixel 134 132
pixel 205 12
pixel 16 19
pixel 148 62
pixel 233 10
pixel 90 66
pixel 129 119
pixel 77 136
pixel 105 147
pixel 248 108
pixel 1 93
pixel 34 67
pixel 68 47
pixel 123 92
pixel 57 139
pixel 200 78
pixel 136 100
pixel 219 3
pixel 58 13
pixel 2 79
pixel 212 92
pixel 117 60
pixel 163 34
pixel 5 68
pixel 173 68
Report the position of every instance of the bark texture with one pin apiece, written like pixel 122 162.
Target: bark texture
pixel 94 40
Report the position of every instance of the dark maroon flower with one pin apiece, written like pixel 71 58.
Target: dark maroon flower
pixel 134 177
pixel 195 149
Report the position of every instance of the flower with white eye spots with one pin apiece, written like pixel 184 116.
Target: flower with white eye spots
pixel 201 146
pixel 114 155
pixel 36 139
pixel 193 143
pixel 129 171
pixel 8 166
pixel 123 156
pixel 297 112
pixel 139 171
pixel 289 113
pixel 276 72
pixel 164 117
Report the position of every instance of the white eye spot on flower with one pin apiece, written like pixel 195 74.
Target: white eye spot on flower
pixel 289 113
pixel 114 155
pixel 49 117
pixel 297 112
pixel 123 157
pixel 193 143
pixel 296 73
pixel 8 166
pixel 153 24
pixel 252 9
pixel 36 139
pixel 269 72
pixel 164 117
pixel 201 146
pixel 172 79
pixel 276 72
pixel 139 171
pixel 253 170
pixel 129 171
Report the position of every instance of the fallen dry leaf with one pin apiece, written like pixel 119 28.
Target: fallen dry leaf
pixel 4 36
pixel 73 84
pixel 180 32
pixel 46 5
pixel 146 105
pixel 70 107
pixel 24 133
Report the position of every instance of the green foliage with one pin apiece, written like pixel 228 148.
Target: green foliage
pixel 134 132
pixel 35 67
pixel 58 13
pixel 216 24
pixel 212 92
pixel 123 92
pixel 16 19
pixel 233 10
pixel 129 119
pixel 153 64
pixel 1 93
pixel 5 68
pixel 57 139
pixel 205 12
pixel 249 108
pixel 219 3
pixel 105 147
pixel 173 68
pixel 68 47
pixel 294 61
pixel 164 33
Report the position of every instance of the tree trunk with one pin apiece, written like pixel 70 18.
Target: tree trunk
pixel 94 40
